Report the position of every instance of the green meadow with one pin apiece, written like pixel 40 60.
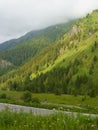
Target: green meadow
pixel 82 104
pixel 28 121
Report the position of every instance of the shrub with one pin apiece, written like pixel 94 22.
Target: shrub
pixel 3 96
pixel 27 96
pixel 58 91
pixel 35 100
pixel 92 93
pixel 95 58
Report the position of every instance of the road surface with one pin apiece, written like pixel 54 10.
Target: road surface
pixel 37 111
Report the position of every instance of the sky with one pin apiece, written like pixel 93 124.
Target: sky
pixel 18 17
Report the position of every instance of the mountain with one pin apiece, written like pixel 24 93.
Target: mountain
pixel 55 30
pixel 5 66
pixel 70 65
pixel 19 50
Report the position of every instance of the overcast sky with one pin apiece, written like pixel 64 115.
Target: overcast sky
pixel 20 16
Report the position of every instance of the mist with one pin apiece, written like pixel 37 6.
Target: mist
pixel 18 17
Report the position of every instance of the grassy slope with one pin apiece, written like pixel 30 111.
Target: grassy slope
pixel 84 48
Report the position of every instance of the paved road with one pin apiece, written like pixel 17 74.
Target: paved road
pixel 17 108
pixel 37 111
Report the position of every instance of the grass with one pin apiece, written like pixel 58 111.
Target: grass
pixel 28 121
pixel 58 99
pixel 60 102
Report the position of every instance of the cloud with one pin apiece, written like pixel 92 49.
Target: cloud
pixel 20 16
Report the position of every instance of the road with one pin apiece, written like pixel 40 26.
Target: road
pixel 37 111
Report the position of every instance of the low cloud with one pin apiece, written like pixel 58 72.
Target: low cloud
pixel 20 16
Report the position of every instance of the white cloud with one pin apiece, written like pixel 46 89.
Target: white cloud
pixel 20 16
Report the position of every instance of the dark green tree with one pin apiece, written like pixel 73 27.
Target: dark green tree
pixel 27 96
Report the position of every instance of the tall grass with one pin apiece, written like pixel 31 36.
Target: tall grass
pixel 28 121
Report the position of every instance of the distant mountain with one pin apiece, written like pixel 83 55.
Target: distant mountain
pixel 18 51
pixel 37 33
pixel 70 65
pixel 33 34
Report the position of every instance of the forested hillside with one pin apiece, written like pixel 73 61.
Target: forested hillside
pixel 70 65
pixel 32 43
pixel 19 51
pixel 56 32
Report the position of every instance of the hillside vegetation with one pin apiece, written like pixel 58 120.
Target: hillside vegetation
pixel 68 66
pixel 32 43
pixel 19 51
pixel 57 121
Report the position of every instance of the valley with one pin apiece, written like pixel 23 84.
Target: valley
pixel 68 66
pixel 52 69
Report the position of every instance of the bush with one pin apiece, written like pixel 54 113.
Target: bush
pixel 27 96
pixel 35 100
pixel 92 93
pixel 95 58
pixel 3 96
pixel 58 91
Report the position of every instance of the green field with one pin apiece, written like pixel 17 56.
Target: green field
pixel 28 121
pixel 50 101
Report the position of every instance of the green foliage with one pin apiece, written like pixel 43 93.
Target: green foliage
pixel 3 96
pixel 67 66
pixel 29 121
pixel 31 46
pixel 91 69
pixel 57 91
pixel 73 103
pixel 92 93
pixel 35 100
pixel 95 58
pixel 5 70
pixel 27 96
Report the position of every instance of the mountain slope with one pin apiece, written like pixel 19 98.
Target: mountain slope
pixel 31 44
pixel 33 34
pixel 5 67
pixel 68 66
pixel 19 51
